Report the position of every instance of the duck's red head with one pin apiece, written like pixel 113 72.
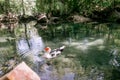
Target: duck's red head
pixel 47 49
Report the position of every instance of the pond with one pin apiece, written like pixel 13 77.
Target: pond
pixel 91 52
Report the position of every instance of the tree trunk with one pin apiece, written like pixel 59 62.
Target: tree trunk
pixel 23 7
pixel 7 6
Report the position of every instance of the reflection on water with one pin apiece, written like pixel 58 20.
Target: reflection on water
pixel 99 42
pixel 22 46
pixel 34 44
pixel 30 44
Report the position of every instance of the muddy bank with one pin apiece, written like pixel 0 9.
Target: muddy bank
pixel 105 15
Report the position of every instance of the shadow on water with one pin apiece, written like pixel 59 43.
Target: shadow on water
pixel 92 49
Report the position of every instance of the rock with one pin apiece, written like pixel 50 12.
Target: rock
pixel 42 18
pixel 21 72
pixel 78 18
pixel 55 20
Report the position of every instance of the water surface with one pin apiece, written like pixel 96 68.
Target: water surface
pixel 91 53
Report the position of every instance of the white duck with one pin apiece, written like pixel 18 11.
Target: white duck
pixel 52 53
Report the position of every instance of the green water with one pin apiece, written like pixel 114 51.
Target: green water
pixel 90 48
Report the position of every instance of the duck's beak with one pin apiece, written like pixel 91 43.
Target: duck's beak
pixel 62 47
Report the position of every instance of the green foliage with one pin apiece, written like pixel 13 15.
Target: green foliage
pixel 2 7
pixel 84 7
pixel 61 7
pixel 5 6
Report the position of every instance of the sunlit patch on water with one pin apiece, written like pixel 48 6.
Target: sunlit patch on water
pixel 85 44
pixel 101 47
